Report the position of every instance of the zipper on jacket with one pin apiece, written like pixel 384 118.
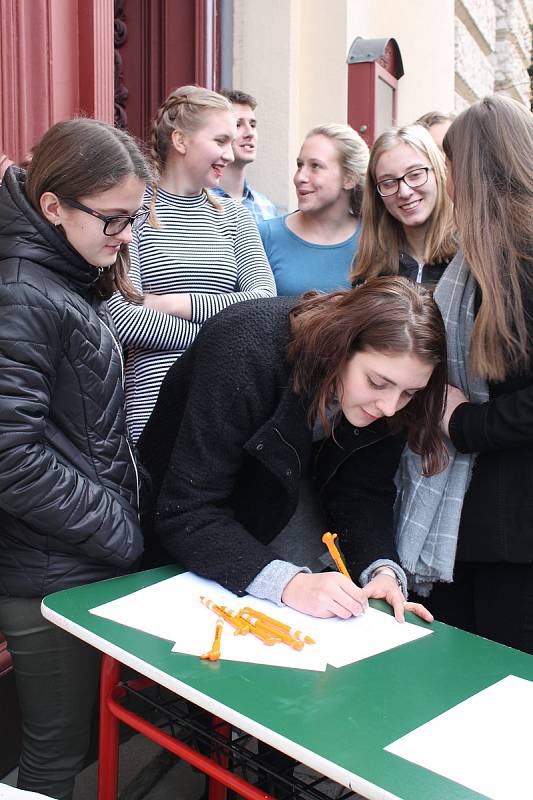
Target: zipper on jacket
pixel 294 450
pixel 119 350
pixel 346 457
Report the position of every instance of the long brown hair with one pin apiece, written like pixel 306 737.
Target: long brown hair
pixel 389 315
pixel 490 147
pixel 80 157
pixel 382 235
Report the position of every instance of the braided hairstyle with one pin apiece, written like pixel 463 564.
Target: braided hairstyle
pixel 183 110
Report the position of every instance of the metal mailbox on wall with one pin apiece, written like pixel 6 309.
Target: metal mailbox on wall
pixel 374 69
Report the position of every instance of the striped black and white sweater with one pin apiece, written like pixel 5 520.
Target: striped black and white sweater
pixel 214 255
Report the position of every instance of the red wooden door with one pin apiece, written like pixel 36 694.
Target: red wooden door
pixel 158 46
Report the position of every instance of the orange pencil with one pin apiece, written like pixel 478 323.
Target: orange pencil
pixel 214 653
pixel 329 541
pixel 276 633
pixel 234 620
pixel 278 624
pixel 263 633
pixel 284 632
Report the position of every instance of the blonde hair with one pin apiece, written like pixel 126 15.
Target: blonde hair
pixel 382 235
pixel 431 118
pixel 353 157
pixel 183 110
pixel 489 146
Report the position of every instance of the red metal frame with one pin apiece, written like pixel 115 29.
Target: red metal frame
pixel 112 712
pixel 362 89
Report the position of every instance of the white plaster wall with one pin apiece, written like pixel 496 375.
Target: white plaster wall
pixel 424 30
pixel 265 66
pixel 291 54
pixel 323 75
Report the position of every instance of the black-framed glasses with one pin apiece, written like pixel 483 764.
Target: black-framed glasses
pixel 412 179
pixel 115 224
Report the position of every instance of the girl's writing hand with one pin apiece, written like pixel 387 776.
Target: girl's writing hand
pixel 324 594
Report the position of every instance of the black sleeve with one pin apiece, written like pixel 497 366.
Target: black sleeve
pixel 359 501
pixel 500 423
pixel 504 421
pixel 228 394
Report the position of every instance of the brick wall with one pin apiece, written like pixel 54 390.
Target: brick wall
pixel 492 49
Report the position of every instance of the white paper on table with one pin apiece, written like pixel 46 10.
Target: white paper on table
pixel 346 641
pixel 10 793
pixel 484 743
pixel 172 610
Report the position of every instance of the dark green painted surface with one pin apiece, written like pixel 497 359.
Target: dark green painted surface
pixel 345 715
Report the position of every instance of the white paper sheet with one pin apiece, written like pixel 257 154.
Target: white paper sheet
pixel 485 743
pixel 172 610
pixel 10 793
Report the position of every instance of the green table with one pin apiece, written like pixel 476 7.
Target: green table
pixel 337 721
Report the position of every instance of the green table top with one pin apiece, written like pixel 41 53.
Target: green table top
pixel 337 721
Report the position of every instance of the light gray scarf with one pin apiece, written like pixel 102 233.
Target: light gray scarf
pixel 428 510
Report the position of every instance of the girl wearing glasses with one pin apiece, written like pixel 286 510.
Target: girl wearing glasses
pixel 486 297
pixel 199 253
pixel 407 215
pixel 68 481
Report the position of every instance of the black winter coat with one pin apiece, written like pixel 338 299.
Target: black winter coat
pixel 497 517
pixel 68 483
pixel 228 443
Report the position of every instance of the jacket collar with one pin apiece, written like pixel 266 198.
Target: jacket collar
pixel 24 233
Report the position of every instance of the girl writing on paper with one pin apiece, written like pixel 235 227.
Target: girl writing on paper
pixel 407 222
pixel 258 446
pixel 313 247
pixel 198 255
pixel 487 302
pixel 68 481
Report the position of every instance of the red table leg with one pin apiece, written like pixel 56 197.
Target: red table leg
pixel 109 732
pixel 112 713
pixel 203 763
pixel 217 790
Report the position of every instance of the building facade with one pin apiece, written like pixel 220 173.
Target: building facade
pixel 117 59
pixel 291 54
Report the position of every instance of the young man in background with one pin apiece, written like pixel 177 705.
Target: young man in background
pixel 233 182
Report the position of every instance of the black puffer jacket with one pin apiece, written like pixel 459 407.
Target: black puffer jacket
pixel 68 482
